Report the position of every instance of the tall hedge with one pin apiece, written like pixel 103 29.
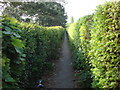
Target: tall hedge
pixel 27 51
pixel 85 27
pixel 80 61
pixel 42 45
pixel 105 46
pixel 99 39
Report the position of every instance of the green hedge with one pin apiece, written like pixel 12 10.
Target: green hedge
pixel 79 40
pixel 27 52
pixel 99 39
pixel 42 45
pixel 105 46
pixel 85 27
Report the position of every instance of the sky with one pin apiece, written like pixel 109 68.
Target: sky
pixel 80 8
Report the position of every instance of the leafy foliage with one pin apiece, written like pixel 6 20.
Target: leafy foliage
pixel 12 53
pixel 80 61
pixel 42 44
pixel 39 44
pixel 97 45
pixel 105 42
pixel 44 13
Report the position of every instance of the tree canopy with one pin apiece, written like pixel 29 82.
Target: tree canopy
pixel 44 13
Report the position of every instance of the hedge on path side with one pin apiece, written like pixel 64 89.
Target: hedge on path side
pixel 42 45
pixel 105 46
pixel 96 42
pixel 27 52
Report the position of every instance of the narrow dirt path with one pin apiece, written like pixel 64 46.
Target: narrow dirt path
pixel 63 75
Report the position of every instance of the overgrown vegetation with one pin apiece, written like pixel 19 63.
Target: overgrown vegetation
pixel 39 45
pixel 79 41
pixel 96 42
pixel 12 53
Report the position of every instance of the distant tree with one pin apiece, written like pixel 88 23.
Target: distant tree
pixel 72 20
pixel 45 13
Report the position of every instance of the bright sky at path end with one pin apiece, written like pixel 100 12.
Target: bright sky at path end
pixel 80 8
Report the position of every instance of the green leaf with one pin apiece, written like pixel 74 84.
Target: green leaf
pixel 14 27
pixel 13 21
pixel 7 28
pixel 18 50
pixel 6 32
pixel 18 36
pixel 8 78
pixel 17 43
pixel 22 59
pixel 23 55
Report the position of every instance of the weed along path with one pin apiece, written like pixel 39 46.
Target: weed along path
pixel 63 75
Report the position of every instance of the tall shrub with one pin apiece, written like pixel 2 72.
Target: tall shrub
pixel 80 63
pixel 42 46
pixel 105 46
pixel 100 45
pixel 27 51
